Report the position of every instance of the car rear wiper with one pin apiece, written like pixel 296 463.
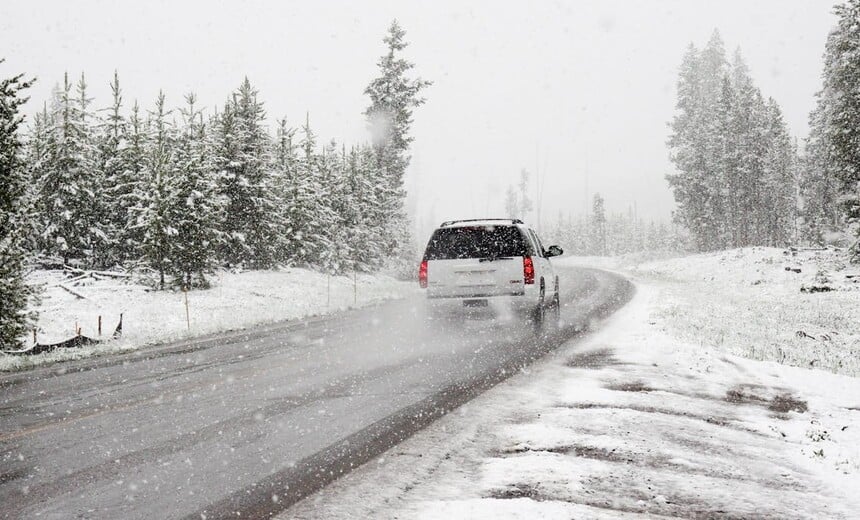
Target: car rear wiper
pixel 494 258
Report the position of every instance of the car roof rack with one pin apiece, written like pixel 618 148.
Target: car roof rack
pixel 511 220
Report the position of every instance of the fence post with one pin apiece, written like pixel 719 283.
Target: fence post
pixel 100 325
pixel 187 314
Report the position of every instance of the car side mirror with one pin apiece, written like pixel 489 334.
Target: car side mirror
pixel 554 251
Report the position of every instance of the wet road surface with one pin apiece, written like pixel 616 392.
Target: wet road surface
pixel 250 422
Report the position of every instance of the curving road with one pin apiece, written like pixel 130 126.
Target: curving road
pixel 251 422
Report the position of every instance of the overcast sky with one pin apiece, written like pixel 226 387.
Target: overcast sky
pixel 581 90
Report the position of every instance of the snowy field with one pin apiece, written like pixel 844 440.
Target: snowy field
pixel 647 418
pixel 755 303
pixel 236 300
pixel 758 303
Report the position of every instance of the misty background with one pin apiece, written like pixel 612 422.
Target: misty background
pixel 578 93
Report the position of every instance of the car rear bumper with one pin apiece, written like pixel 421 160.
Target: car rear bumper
pixel 461 292
pixel 476 304
pixel 471 295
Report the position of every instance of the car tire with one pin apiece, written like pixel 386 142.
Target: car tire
pixel 555 314
pixel 538 314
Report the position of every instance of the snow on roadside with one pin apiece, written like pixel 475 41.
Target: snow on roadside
pixel 236 300
pixel 629 423
pixel 800 308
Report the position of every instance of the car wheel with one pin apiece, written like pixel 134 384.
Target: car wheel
pixel 539 313
pixel 555 313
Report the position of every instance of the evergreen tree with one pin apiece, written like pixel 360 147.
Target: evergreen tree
pixel 124 190
pixel 112 210
pixel 819 189
pixel 334 193
pixel 93 233
pixel 130 190
pixel 598 226
pixel 835 140
pixel 197 209
pixel 67 187
pixel 15 294
pixel 285 173
pixel 157 197
pixel 393 96
pixel 624 233
pixel 687 150
pixel 780 183
pixel 223 159
pixel 736 180
pixel 364 236
pixel 372 193
pixel 37 160
pixel 310 212
pixel 246 181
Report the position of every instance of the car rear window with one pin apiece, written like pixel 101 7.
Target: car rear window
pixel 475 242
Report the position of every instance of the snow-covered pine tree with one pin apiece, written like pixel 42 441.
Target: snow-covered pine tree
pixel 67 188
pixel 839 104
pixel 130 190
pixel 652 237
pixel 223 162
pixel 754 132
pixel 285 166
pixel 393 96
pixel 373 191
pixel 730 151
pixel 720 176
pixel 598 226
pixel 310 213
pixel 715 97
pixel 15 294
pixel 246 181
pixel 358 211
pixel 734 172
pixel 819 186
pixel 110 172
pixel 686 151
pixel 94 237
pixel 36 162
pixel 334 193
pixel 706 101
pixel 778 207
pixel 196 209
pixel 157 194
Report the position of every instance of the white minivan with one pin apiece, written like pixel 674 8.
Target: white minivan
pixel 491 262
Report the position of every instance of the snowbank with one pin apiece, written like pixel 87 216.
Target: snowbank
pixel 236 300
pixel 798 308
pixel 629 423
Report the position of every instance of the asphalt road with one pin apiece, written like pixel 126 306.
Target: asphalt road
pixel 251 422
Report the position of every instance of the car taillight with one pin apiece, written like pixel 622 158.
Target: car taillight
pixel 422 274
pixel 528 270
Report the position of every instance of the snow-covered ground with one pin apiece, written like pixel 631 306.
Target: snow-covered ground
pixel 646 419
pixel 759 303
pixel 236 300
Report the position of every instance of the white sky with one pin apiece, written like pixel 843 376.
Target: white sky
pixel 574 86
